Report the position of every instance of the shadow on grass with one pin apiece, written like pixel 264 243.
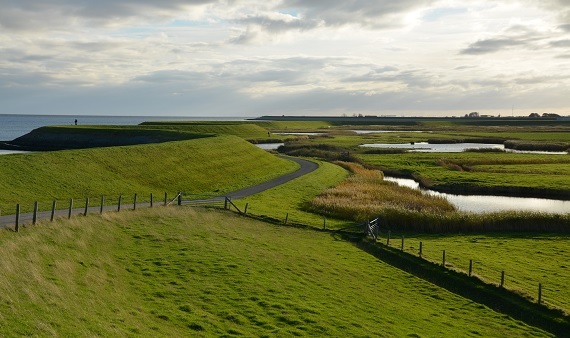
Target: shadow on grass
pixel 498 299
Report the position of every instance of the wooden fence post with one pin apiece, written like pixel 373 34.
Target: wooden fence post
pixel 135 202
pixel 179 198
pixel 245 210
pixel 286 218
pixel 52 211
pixel 151 200
pixel 226 203
pixel 17 227
pixel 443 259
pixel 70 208
pixel 402 248
pixel 165 199
pixel 35 216
pixel 102 203
pixel 502 278
pixel 421 249
pixel 539 293
pixel 119 205
pixel 470 267
pixel 86 206
pixel 388 239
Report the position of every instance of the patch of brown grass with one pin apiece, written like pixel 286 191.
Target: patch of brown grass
pixel 366 195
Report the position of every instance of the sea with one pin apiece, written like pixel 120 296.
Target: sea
pixel 14 126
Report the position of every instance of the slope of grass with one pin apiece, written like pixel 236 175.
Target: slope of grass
pixel 526 259
pixel 167 272
pixel 211 165
pixel 293 197
pixel 241 129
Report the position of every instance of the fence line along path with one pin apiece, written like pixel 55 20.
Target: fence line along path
pixel 63 205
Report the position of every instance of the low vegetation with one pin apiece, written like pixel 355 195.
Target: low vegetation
pixel 365 195
pixel 176 272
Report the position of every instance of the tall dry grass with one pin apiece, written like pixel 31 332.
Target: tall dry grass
pixel 366 195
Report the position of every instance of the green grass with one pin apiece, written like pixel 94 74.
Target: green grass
pixel 527 259
pixel 441 170
pixel 213 165
pixel 241 129
pixel 293 197
pixel 175 272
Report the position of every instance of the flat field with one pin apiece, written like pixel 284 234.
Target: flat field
pixel 175 272
pixel 527 259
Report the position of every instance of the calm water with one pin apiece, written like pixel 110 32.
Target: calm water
pixel 269 146
pixel 424 147
pixel 388 131
pixel 481 204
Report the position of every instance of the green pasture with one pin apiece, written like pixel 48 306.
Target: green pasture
pixel 181 272
pixel 527 259
pixel 214 165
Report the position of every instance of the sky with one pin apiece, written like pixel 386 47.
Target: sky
pixel 235 58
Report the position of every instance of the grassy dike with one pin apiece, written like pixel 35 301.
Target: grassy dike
pixel 167 272
pixel 212 165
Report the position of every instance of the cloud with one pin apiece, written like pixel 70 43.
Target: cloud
pixel 488 46
pixel 367 13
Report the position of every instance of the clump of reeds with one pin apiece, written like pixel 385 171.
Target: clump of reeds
pixel 536 146
pixel 366 195
pixel 326 152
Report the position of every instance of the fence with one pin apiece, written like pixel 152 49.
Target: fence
pixel 501 279
pixel 117 204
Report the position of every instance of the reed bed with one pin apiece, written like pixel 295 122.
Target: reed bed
pixel 365 195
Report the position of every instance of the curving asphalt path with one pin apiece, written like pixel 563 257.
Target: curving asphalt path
pixel 305 168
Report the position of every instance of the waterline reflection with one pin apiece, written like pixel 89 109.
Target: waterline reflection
pixel 490 203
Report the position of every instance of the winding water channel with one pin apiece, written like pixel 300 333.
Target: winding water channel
pixel 489 203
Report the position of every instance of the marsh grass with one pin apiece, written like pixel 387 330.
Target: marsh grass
pixel 365 195
pixel 180 272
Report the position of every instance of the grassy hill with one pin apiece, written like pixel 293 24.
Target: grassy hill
pixel 179 272
pixel 213 165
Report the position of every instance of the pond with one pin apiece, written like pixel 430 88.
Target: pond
pixel 8 152
pixel 451 148
pixel 490 203
pixel 269 146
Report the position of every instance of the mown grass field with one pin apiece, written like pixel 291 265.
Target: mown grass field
pixel 175 272
pixel 214 165
pixel 527 259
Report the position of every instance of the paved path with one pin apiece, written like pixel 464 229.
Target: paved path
pixel 26 218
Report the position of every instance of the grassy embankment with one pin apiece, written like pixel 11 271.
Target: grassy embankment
pixel 293 198
pixel 167 272
pixel 214 165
